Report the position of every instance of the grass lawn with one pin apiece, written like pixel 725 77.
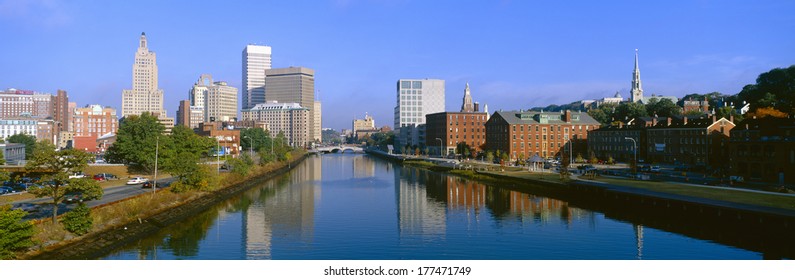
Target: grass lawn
pixel 761 199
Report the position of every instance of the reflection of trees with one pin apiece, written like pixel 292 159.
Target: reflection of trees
pixel 181 239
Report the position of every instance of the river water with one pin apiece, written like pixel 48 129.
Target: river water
pixel 358 207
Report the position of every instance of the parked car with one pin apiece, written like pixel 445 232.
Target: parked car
pixel 77 175
pixel 15 186
pixel 28 207
pixel 5 190
pixel 105 176
pixel 736 178
pixel 137 180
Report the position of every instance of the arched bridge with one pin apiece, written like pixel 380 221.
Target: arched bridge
pixel 339 149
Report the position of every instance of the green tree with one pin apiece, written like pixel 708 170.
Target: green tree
pixel 15 234
pixel 629 110
pixel 463 149
pixel 53 169
pixel 604 113
pixel 28 140
pixel 774 88
pixel 79 220
pixel 256 138
pixel 662 108
pixel 489 156
pixel 727 112
pixel 135 142
pixel 241 165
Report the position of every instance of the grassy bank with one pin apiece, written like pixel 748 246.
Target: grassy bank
pixel 51 237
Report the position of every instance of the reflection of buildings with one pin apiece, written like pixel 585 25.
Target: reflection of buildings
pixel 418 212
pixel 285 209
pixel 363 167
pixel 639 240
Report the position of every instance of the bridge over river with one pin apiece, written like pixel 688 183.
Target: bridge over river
pixel 338 149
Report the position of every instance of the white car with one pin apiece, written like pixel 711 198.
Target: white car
pixel 77 175
pixel 137 180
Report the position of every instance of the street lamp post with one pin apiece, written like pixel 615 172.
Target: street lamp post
pixel 157 148
pixel 634 149
pixel 250 146
pixel 440 147
pixel 218 154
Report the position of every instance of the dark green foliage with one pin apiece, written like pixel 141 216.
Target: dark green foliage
pixel 15 234
pixel 28 140
pixel 662 108
pixel 79 220
pixel 775 88
pixel 135 142
pixel 627 111
pixel 241 165
pixel 255 138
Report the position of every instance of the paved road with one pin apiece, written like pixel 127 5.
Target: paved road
pixel 112 194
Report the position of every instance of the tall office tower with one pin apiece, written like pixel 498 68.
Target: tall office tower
pixel 218 99
pixel 256 59
pixel 61 113
pixel 467 106
pixel 145 96
pixel 293 85
pixel 318 122
pixel 415 99
pixel 637 90
pixel 71 108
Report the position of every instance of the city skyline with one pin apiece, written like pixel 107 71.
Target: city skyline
pixel 514 55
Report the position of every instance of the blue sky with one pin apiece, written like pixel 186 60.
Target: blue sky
pixel 515 54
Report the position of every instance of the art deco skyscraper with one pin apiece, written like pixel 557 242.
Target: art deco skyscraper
pixel 144 96
pixel 256 59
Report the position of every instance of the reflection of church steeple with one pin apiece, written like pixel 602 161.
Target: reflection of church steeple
pixel 639 240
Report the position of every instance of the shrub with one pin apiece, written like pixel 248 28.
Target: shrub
pixel 15 234
pixel 79 220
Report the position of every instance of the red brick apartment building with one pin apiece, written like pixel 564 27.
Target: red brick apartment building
pixel 523 134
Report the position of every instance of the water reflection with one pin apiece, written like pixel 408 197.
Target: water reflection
pixel 359 207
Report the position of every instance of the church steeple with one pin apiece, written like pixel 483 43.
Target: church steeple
pixel 637 89
pixel 467 106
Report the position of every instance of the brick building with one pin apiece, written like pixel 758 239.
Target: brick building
pixel 523 134
pixel 764 150
pixel 226 137
pixel 453 128
pixel 699 142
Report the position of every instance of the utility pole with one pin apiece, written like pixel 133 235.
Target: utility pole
pixel 157 148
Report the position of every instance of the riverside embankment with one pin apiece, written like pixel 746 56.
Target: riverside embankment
pixel 104 240
pixel 755 227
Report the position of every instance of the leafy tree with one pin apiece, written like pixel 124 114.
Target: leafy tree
pixel 775 88
pixel 53 169
pixel 727 112
pixel 15 234
pixel 629 110
pixel 489 156
pixel 79 220
pixel 257 138
pixel 241 165
pixel 135 142
pixel 288 156
pixel 204 179
pixel 2 159
pixel 463 149
pixel 765 112
pixel 579 158
pixel 604 114
pixel 28 140
pixel 662 108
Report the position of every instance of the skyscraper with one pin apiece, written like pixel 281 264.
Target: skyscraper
pixel 145 96
pixel 218 100
pixel 637 90
pixel 415 99
pixel 256 59
pixel 467 106
pixel 293 85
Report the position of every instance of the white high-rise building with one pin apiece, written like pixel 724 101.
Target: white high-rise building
pixel 144 96
pixel 316 113
pixel 218 100
pixel 415 99
pixel 256 59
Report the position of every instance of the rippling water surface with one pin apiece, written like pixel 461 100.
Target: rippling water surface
pixel 343 206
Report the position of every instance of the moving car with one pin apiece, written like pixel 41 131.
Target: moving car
pixel 73 197
pixel 28 207
pixel 105 176
pixel 137 180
